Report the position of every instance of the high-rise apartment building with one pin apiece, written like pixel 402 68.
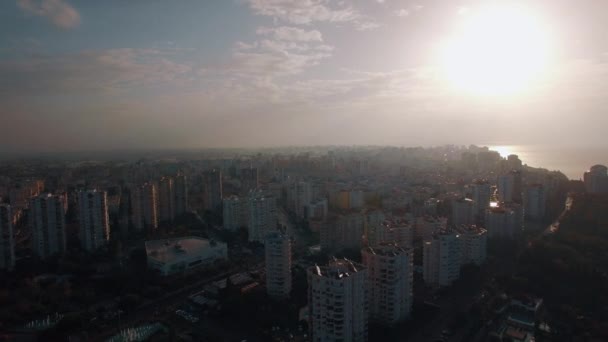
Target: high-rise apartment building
pixel 535 202
pixel 596 179
pixel 442 258
pixel 504 220
pixel 234 213
pixel 93 219
pixel 390 271
pixel 481 193
pixel 144 207
pixel 278 264
pixel 473 244
pixel 213 190
pixel 180 201
pixel 510 187
pixel 338 302
pixel 261 216
pixel 166 200
pixel 463 211
pixel 299 196
pixel 47 220
pixel 398 231
pixel 249 180
pixel 7 238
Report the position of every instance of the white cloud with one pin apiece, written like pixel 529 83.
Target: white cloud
pixel 291 34
pixel 303 11
pixel 402 12
pixel 59 12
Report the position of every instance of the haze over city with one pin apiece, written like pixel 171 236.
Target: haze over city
pixel 83 75
pixel 303 170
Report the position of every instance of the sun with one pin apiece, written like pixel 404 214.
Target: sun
pixel 496 50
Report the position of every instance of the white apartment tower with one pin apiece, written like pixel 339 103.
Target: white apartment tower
pixel 442 258
pixel 93 219
pixel 473 244
pixel 47 221
pixel 278 264
pixel 510 187
pixel 390 275
pixel 261 216
pixel 338 302
pixel 396 231
pixel 233 212
pixel 7 238
pixel 504 220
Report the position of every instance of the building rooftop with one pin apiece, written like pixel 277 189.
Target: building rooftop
pixel 387 249
pixel 337 269
pixel 167 250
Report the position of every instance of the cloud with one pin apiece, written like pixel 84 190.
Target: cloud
pixel 402 12
pixel 303 11
pixel 59 12
pixel 96 70
pixel 291 34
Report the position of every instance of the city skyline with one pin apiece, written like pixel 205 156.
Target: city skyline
pixel 102 76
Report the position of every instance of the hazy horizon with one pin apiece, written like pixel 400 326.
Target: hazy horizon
pixel 80 75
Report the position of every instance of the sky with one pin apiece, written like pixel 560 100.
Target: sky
pixel 115 74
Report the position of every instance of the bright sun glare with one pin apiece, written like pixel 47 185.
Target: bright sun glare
pixel 496 50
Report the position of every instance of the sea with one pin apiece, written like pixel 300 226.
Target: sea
pixel 572 161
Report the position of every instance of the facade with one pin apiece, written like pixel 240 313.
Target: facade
pixel 7 238
pixel 166 200
pixel 299 196
pixel 261 216
pixel 473 245
pixel 596 179
pixel 317 209
pixel 174 256
pixel 536 201
pixel 93 219
pixel 278 264
pixel 510 187
pixel 338 302
pixel 356 199
pixel 47 220
pixel 390 278
pixel 233 213
pixel 481 194
pixel 343 232
pixel 463 211
pixel 442 258
pixel 144 207
pixel 213 190
pixel 426 226
pixel 181 195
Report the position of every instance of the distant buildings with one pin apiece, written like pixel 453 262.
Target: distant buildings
pixel 510 187
pixel 175 256
pixel 278 264
pixel 249 180
pixel 596 179
pixel 535 201
pixel 144 207
pixel 299 196
pixel 7 238
pixel 93 219
pixel 390 276
pixel 47 220
pixel 338 302
pixel 343 232
pixel 427 225
pixel 463 211
pixel 212 180
pixel 442 258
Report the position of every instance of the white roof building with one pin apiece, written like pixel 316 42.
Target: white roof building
pixel 170 256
